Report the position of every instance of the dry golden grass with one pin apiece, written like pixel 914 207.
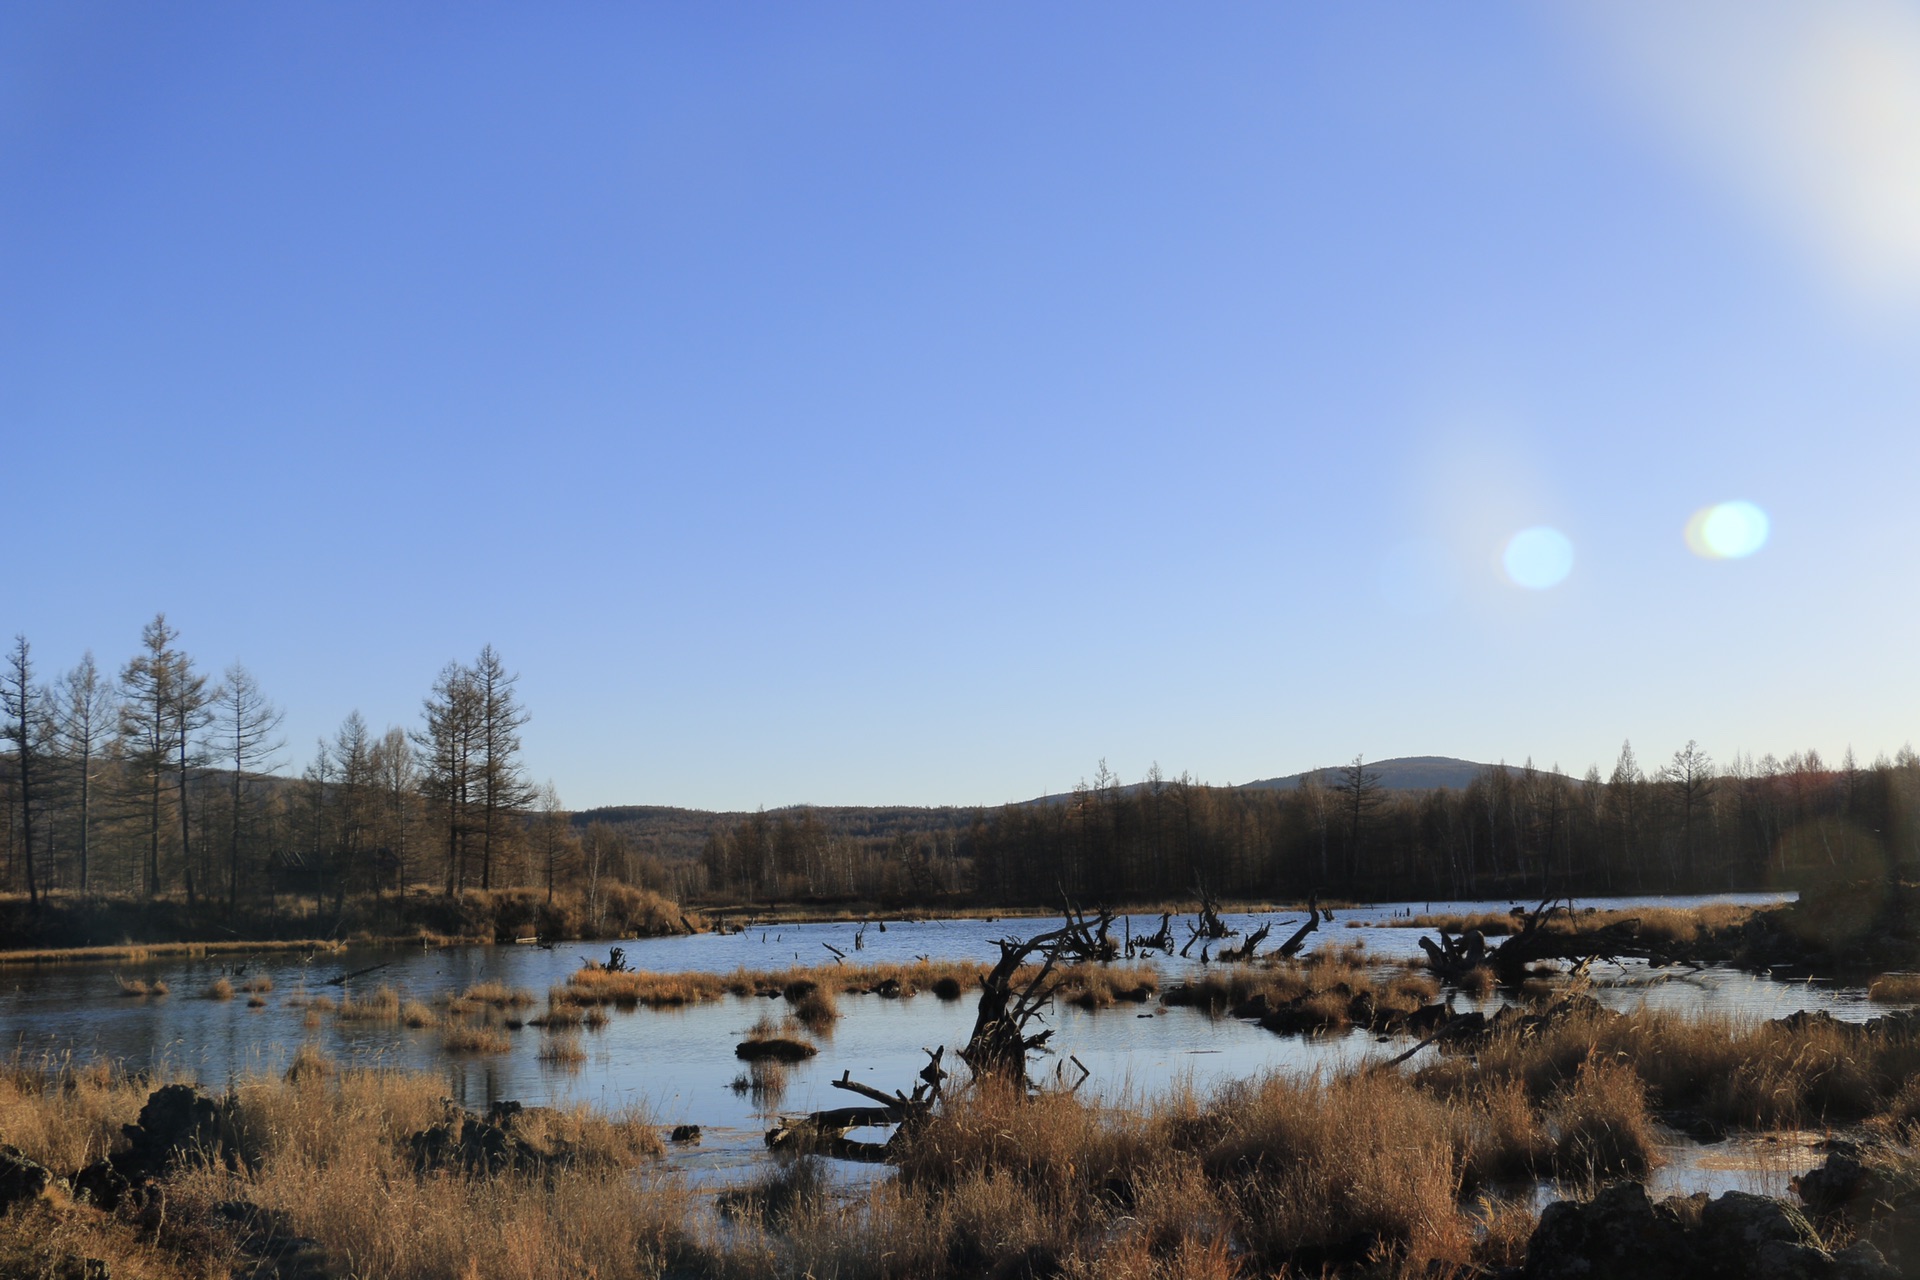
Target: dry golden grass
pixel 562 1050
pixel 1099 986
pixel 415 1014
pixel 1601 1125
pixel 382 1006
pixel 594 985
pixel 259 984
pixel 815 1009
pixel 1735 1072
pixel 497 995
pixel 1672 925
pixel 65 1115
pixel 460 1037
pixel 1895 988
pixel 220 989
pixel 139 953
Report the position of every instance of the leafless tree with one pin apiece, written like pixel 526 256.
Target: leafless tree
pixel 246 730
pixel 25 706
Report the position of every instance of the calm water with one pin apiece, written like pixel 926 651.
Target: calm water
pixel 680 1063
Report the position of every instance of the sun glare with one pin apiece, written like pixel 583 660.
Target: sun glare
pixel 1727 531
pixel 1538 558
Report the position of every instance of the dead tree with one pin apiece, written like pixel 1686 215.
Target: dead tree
pixel 1244 952
pixel 1087 939
pixel 1291 947
pixel 1208 925
pixel 1000 1043
pixel 1162 940
pixel 1539 939
pixel 825 1132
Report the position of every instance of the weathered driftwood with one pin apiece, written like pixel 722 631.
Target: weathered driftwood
pixel 825 1132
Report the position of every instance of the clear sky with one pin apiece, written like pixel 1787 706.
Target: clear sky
pixel 919 403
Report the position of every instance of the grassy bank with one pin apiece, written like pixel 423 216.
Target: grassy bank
pixel 111 928
pixel 1427 1170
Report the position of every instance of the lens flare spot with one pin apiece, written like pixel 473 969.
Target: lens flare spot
pixel 1538 558
pixel 1728 531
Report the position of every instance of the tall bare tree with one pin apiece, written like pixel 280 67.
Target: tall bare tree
pixel 191 713
pixel 25 707
pixel 1360 795
pixel 146 729
pixel 1690 781
pixel 503 789
pixel 84 710
pixel 247 728
pixel 398 777
pixel 449 743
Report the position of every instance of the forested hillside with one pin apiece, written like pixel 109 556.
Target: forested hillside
pixel 158 781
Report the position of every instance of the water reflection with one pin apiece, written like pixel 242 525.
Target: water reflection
pixel 679 1062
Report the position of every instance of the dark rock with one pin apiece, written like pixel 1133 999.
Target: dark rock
pixel 21 1179
pixel 1618 1235
pixel 1035 1262
pixel 466 1143
pixel 1861 1261
pixel 1738 1223
pixel 1834 1185
pixel 101 1185
pixel 177 1127
pixel 947 988
pixel 75 1267
pixel 1253 1010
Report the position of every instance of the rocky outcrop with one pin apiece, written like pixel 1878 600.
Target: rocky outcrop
pixel 178 1127
pixel 1622 1235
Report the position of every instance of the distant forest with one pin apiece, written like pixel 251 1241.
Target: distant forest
pixel 1684 826
pixel 158 780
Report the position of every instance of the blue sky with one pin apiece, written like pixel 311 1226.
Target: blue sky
pixel 917 403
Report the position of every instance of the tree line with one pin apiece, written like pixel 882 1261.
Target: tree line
pixel 1685 826
pixel 159 779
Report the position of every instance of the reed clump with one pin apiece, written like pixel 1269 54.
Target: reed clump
pixel 382 1006
pixel 781 1041
pixel 220 989
pixel 1895 988
pixel 815 1008
pixel 497 995
pixel 461 1037
pixel 562 1050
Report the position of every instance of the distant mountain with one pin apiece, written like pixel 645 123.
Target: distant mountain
pixel 1405 773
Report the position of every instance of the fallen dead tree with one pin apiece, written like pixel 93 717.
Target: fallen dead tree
pixel 1010 1000
pixel 1546 933
pixel 825 1132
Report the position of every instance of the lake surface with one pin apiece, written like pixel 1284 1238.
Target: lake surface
pixel 680 1063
